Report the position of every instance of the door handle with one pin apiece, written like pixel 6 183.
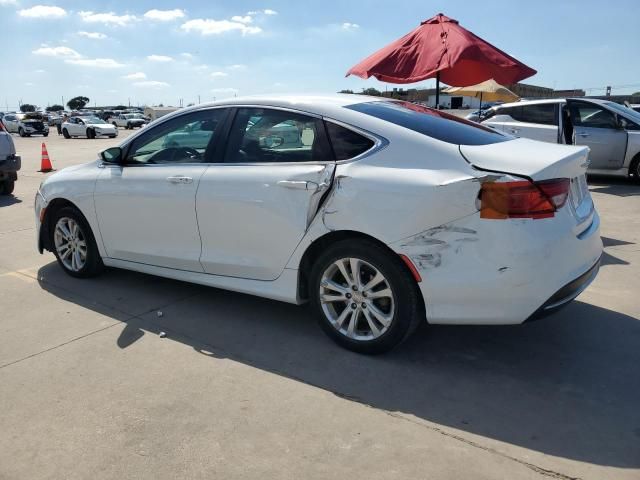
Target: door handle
pixel 515 130
pixel 582 134
pixel 298 184
pixel 179 179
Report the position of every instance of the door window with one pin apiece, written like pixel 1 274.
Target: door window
pixel 262 135
pixel 183 139
pixel 544 114
pixel 347 143
pixel 591 115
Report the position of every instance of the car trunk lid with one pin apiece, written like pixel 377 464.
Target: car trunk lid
pixel 529 158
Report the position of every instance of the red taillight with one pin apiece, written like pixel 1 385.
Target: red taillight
pixel 523 199
pixel 2 129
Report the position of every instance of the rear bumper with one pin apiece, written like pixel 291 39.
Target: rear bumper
pixel 566 294
pixel 503 272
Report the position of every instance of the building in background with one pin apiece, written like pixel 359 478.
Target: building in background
pixel 156 112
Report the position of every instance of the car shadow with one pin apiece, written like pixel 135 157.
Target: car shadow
pixel 7 200
pixel 618 186
pixel 566 386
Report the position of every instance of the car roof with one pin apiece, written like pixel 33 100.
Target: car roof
pixel 552 100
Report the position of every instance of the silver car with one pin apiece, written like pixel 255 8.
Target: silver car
pixel 610 130
pixel 26 124
pixel 9 162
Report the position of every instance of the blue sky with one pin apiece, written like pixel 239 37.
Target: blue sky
pixel 161 51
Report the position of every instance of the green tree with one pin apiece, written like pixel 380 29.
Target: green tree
pixel 371 91
pixel 27 107
pixel 54 108
pixel 345 91
pixel 120 107
pixel 76 103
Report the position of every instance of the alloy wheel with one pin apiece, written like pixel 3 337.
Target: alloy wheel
pixel 357 299
pixel 70 243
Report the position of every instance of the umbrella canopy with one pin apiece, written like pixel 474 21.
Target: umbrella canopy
pixel 489 91
pixel 440 48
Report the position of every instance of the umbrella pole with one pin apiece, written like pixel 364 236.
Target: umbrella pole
pixel 480 102
pixel 437 90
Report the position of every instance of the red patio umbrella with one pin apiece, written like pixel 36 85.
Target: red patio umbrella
pixel 441 48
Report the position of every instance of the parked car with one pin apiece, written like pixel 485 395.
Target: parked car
pixel 635 107
pixel 127 120
pixel 609 129
pixel 9 162
pixel 26 124
pixel 384 216
pixel 90 127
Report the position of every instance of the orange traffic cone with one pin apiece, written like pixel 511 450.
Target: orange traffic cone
pixel 45 163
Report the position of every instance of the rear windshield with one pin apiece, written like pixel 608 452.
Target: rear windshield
pixel 433 123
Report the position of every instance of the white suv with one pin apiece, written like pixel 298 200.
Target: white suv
pixel 610 130
pixel 26 124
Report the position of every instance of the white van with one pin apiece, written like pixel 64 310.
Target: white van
pixel 610 130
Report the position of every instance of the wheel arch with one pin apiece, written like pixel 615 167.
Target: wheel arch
pixel 633 166
pixel 314 250
pixel 45 228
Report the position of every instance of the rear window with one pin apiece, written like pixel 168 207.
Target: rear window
pixel 432 123
pixel 347 143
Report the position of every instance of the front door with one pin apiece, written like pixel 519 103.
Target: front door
pixel 255 206
pixel 146 206
pixel 597 128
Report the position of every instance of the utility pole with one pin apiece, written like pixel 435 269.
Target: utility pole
pixel 198 99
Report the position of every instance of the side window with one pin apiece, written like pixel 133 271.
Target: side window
pixel 347 143
pixel 590 115
pixel 262 135
pixel 542 113
pixel 183 139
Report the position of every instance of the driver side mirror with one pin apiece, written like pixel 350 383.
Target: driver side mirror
pixel 112 155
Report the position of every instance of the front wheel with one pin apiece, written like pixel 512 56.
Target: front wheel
pixel 634 170
pixel 45 134
pixel 91 134
pixel 21 132
pixel 65 133
pixel 363 297
pixel 74 244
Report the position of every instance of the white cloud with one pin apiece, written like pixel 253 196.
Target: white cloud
pixel 350 26
pixel 95 62
pixel 237 66
pixel 164 15
pixel 8 2
pixel 40 71
pixel 186 55
pixel 93 35
pixel 108 18
pixel 219 74
pixel 209 26
pixel 29 84
pixel 266 11
pixel 43 11
pixel 135 76
pixel 65 52
pixel 159 58
pixel 242 19
pixel 201 67
pixel 151 84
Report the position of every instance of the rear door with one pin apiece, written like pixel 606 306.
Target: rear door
pixel 597 128
pixel 255 204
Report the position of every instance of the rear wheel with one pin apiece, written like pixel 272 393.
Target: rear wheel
pixel 634 169
pixel 7 186
pixel 74 244
pixel 128 126
pixel 90 133
pixel 65 133
pixel 21 132
pixel 363 297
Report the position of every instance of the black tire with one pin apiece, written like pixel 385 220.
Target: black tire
pixel 21 132
pixel 93 265
pixel 45 134
pixel 91 134
pixel 409 310
pixel 112 136
pixel 65 133
pixel 7 186
pixel 634 169
pixel 129 126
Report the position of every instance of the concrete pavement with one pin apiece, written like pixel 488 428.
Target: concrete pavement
pixel 243 387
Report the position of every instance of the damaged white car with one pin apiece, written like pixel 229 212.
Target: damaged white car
pixel 381 214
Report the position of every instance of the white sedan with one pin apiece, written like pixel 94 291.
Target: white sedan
pixel 381 214
pixel 89 127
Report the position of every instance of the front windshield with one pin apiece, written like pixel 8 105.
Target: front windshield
pixel 628 112
pixel 95 120
pixel 129 115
